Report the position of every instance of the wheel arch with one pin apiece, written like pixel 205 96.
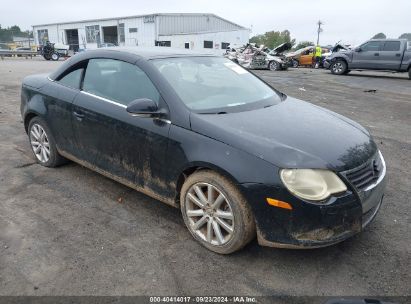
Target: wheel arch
pixel 341 58
pixel 27 118
pixel 195 167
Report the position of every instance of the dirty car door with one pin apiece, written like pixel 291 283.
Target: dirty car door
pixel 108 137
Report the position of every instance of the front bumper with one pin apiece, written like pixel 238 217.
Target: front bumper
pixel 311 225
pixel 326 63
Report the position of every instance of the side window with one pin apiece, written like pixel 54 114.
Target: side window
pixel 72 79
pixel 392 46
pixel 118 81
pixel 371 46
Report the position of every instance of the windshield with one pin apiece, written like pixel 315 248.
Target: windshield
pixel 215 84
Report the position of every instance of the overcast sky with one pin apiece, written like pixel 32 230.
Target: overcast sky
pixel 351 21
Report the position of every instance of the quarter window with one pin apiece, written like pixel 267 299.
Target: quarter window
pixel 392 46
pixel 118 81
pixel 72 79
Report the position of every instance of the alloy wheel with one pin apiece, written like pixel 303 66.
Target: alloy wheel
pixel 273 66
pixel 209 214
pixel 40 143
pixel 338 67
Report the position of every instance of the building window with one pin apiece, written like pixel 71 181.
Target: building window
pixel 163 43
pixel 121 32
pixel 43 36
pixel 132 30
pixel 187 45
pixel 92 34
pixel 208 44
pixel 224 45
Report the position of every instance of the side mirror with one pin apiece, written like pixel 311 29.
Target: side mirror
pixel 143 107
pixel 357 49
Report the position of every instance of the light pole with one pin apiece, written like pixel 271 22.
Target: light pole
pixel 319 30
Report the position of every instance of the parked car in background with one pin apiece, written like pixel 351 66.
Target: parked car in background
pixel 374 54
pixel 258 57
pixel 23 50
pixel 304 56
pixel 201 133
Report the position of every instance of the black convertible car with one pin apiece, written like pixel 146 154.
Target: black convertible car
pixel 199 132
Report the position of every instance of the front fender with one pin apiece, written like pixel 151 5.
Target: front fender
pixel 190 149
pixel 346 57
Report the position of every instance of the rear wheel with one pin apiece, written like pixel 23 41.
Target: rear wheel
pixel 409 73
pixel 43 144
pixel 216 213
pixel 339 67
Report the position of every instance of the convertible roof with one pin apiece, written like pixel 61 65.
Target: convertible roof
pixel 155 52
pixel 127 53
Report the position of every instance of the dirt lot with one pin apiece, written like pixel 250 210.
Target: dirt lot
pixel 69 231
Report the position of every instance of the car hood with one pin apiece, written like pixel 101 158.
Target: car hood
pixel 291 134
pixel 282 48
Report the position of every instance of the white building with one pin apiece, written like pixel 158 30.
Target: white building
pixel 191 31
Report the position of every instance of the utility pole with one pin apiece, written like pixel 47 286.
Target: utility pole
pixel 319 30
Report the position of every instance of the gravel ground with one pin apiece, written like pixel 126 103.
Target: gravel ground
pixel 70 231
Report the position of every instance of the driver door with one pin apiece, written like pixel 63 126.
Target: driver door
pixel 367 56
pixel 111 139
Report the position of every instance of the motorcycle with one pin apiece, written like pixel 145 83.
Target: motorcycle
pixel 49 52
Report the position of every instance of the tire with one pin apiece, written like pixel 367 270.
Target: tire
pixel 295 63
pixel 409 73
pixel 339 67
pixel 274 65
pixel 47 57
pixel 231 206
pixel 45 151
pixel 55 56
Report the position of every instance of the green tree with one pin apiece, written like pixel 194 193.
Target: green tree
pixel 6 34
pixel 405 36
pixel 273 38
pixel 303 44
pixel 379 36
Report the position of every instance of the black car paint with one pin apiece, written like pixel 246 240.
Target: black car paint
pixel 153 155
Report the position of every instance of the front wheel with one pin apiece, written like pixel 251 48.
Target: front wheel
pixel 274 65
pixel 409 73
pixel 295 63
pixel 339 67
pixel 216 213
pixel 43 144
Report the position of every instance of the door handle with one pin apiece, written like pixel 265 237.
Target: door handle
pixel 376 54
pixel 398 55
pixel 78 115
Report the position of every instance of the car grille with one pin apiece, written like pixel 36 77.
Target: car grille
pixel 366 174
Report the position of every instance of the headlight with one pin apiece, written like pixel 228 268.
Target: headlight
pixel 310 184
